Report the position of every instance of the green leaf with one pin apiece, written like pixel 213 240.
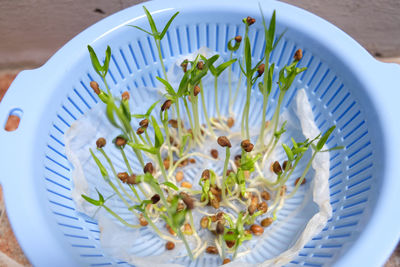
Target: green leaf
pixel 336 148
pixel 139 28
pixel 168 86
pixel 164 31
pixel 183 85
pixel 95 61
pixel 103 170
pixel 126 109
pixel 324 138
pixel 247 54
pixel 223 66
pixel 92 201
pixel 151 22
pixel 294 142
pixel 171 185
pixel 179 218
pixel 110 113
pixel 148 112
pixel 288 151
pixel 271 30
pixel 158 137
pixel 213 70
pixel 233 47
pixel 138 116
pixel 144 147
pixel 270 77
pixel 107 61
pixel 211 60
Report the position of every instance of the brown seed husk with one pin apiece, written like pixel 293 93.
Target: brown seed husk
pixel 230 122
pixel 101 142
pixel 142 220
pixel 123 176
pixel 286 164
pixel 196 90
pixel 256 229
pixel 211 250
pixel 297 181
pixel 266 222
pixel 265 195
pixel 95 87
pixel 139 131
pixel 188 200
pixel 200 65
pixel 204 222
pixel 261 69
pixel 173 123
pixel 144 123
pixel 226 260
pixel 132 179
pixel 148 168
pixel 250 20
pixel 262 206
pixel 167 104
pixel 205 174
pixel 186 185
pixel 298 55
pixel 214 203
pixel 224 141
pixel 214 153
pixel 179 176
pixel 276 167
pixel 238 39
pixel 220 228
pixel 125 95
pixel 170 245
pixel 187 229
pixel 166 164
pixel 155 198
pixel 120 141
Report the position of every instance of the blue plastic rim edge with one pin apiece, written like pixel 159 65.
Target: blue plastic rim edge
pixel 379 82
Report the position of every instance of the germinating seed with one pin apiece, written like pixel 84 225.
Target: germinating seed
pixel 265 195
pixel 204 222
pixel 214 153
pixel 101 142
pixel 179 176
pixel 257 230
pixel 186 185
pixel 230 122
pixel 170 245
pixel 212 250
pixel 266 222
pixel 298 179
pixel 226 261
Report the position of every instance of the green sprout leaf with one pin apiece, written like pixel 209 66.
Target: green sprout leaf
pixel 324 138
pixel 288 152
pixel 168 87
pixel 164 31
pixel 171 185
pixel 147 148
pixel 139 28
pixel 98 203
pixel 151 22
pixel 158 137
pixel 233 47
pixel 100 69
pixel 102 169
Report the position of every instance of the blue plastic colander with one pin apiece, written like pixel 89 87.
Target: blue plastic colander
pixel 345 86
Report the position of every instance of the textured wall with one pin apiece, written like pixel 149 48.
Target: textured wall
pixel 32 30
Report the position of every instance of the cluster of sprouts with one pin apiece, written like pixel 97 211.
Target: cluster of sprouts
pixel 165 142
